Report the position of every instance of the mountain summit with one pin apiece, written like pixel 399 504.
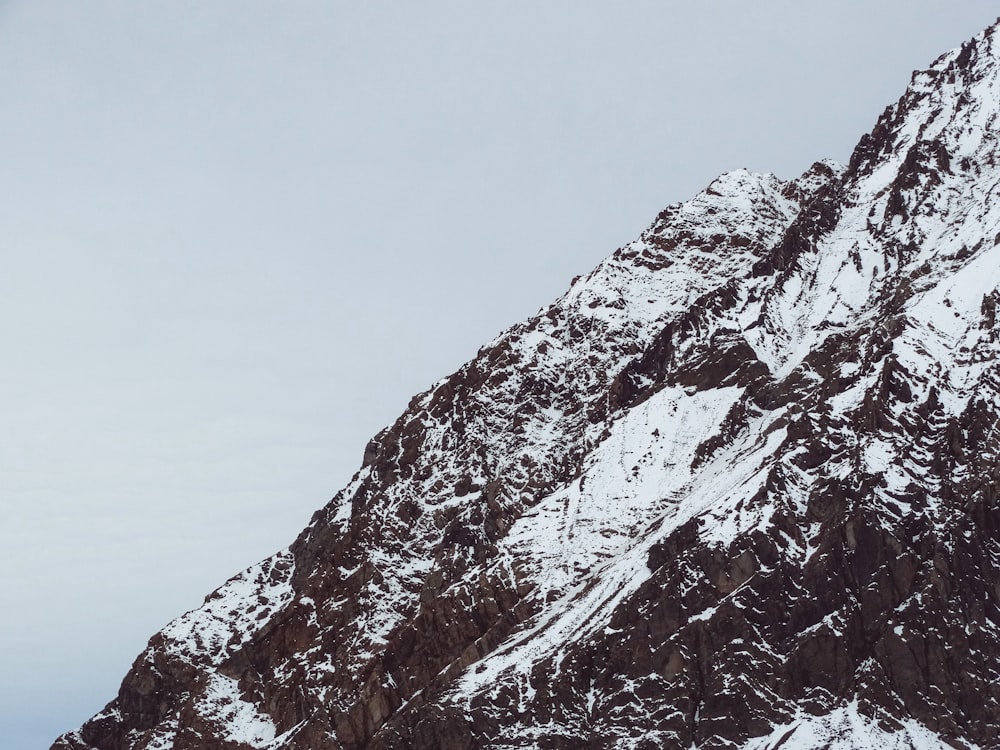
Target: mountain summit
pixel 738 488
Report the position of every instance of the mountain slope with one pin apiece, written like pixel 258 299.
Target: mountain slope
pixel 738 487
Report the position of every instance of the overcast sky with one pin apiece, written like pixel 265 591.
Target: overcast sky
pixel 239 236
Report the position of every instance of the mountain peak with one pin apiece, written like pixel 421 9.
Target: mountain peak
pixel 946 112
pixel 736 488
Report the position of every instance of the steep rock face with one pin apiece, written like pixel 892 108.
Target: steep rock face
pixel 738 487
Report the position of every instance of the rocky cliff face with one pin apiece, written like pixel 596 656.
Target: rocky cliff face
pixel 738 488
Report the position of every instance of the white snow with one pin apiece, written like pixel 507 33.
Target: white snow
pixel 846 728
pixel 233 613
pixel 237 719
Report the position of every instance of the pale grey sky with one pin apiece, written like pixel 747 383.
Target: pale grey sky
pixel 238 236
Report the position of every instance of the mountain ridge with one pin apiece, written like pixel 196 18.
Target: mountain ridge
pixel 736 488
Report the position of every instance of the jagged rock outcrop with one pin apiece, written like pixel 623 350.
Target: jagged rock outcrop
pixel 738 488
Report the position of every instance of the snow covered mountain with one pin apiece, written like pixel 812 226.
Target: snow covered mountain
pixel 738 488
